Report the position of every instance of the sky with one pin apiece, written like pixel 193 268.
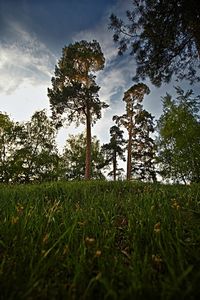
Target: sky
pixel 32 35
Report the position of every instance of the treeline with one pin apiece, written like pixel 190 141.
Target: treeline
pixel 169 147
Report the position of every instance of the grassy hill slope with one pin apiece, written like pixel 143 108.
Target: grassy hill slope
pixel 99 240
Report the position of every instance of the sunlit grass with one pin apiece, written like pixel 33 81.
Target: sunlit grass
pixel 99 240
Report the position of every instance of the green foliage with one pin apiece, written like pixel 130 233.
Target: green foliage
pixel 73 87
pixel 74 90
pixel 28 150
pixel 144 147
pixel 113 150
pixel 164 38
pixel 7 146
pixel 133 98
pixel 179 137
pixel 73 158
pixel 99 240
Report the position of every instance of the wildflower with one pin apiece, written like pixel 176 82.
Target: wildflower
pixel 14 220
pixel 98 253
pixel 157 262
pixel 65 250
pixel 82 223
pixel 89 241
pixel 175 204
pixel 77 205
pixel 19 208
pixel 157 227
pixel 156 258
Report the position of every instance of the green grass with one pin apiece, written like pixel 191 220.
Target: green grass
pixel 99 240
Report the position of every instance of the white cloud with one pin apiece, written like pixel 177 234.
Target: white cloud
pixel 117 74
pixel 26 67
pixel 24 59
pixel 26 99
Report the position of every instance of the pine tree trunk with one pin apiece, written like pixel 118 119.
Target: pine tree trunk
pixel 191 9
pixel 114 167
pixel 128 176
pixel 197 41
pixel 88 146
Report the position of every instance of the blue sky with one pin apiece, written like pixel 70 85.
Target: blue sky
pixel 32 35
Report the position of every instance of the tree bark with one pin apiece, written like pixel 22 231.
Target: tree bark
pixel 197 40
pixel 114 166
pixel 130 133
pixel 88 145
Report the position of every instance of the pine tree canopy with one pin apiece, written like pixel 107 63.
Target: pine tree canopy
pixel 164 38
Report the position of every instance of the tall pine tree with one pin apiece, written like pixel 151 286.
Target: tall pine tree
pixel 133 98
pixel 74 90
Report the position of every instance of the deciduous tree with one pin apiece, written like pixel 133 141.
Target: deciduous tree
pixel 73 158
pixel 179 137
pixel 28 150
pixel 7 146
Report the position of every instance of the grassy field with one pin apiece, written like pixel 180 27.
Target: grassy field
pixel 99 240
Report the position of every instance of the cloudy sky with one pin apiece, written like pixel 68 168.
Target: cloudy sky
pixel 32 35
